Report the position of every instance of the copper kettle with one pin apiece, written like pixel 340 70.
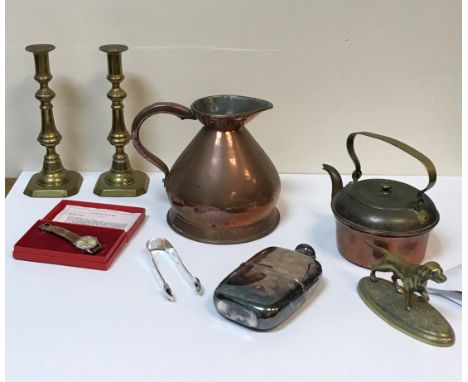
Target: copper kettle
pixel 223 188
pixel 391 214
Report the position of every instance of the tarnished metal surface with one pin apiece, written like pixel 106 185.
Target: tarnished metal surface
pixel 265 290
pixel 387 212
pixel 223 188
pixel 422 322
pixel 352 245
pixel 121 179
pixel 404 302
pixel 54 180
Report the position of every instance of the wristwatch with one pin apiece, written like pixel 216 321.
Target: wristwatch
pixel 88 244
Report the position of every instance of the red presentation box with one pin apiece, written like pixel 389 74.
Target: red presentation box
pixel 44 247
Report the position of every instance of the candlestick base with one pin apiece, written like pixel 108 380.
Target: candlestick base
pixel 127 184
pixel 69 185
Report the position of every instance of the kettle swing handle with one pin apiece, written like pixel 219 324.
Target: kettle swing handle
pixel 431 170
pixel 156 108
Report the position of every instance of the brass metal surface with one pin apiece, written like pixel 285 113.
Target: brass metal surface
pixel 403 303
pixel 121 179
pixel 423 322
pixel 223 188
pixel 431 170
pixel 54 180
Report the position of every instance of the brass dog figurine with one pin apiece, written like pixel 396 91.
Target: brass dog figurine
pixel 414 277
pixel 391 300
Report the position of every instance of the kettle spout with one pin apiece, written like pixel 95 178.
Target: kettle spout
pixel 337 182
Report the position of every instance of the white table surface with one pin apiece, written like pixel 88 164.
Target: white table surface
pixel 72 324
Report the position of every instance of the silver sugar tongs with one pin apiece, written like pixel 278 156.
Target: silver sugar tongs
pixel 163 245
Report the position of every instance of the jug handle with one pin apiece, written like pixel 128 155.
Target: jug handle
pixel 157 108
pixel 431 170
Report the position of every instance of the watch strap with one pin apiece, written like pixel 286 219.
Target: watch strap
pixel 60 231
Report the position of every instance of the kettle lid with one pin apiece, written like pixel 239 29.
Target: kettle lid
pixel 385 207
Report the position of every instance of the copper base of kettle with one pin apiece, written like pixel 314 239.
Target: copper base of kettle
pixel 228 235
pixel 352 245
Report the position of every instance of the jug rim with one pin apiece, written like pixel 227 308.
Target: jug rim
pixel 256 105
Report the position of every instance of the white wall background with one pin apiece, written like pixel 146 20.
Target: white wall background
pixel 330 67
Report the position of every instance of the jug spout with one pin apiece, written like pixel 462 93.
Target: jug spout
pixel 228 112
pixel 337 182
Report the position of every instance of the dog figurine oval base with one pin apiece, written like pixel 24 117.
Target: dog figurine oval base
pixel 396 303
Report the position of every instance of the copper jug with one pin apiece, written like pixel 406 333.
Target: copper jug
pixel 223 188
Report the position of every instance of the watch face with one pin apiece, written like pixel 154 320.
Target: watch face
pixel 86 242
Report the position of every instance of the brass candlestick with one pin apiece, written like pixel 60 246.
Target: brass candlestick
pixel 54 180
pixel 121 179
